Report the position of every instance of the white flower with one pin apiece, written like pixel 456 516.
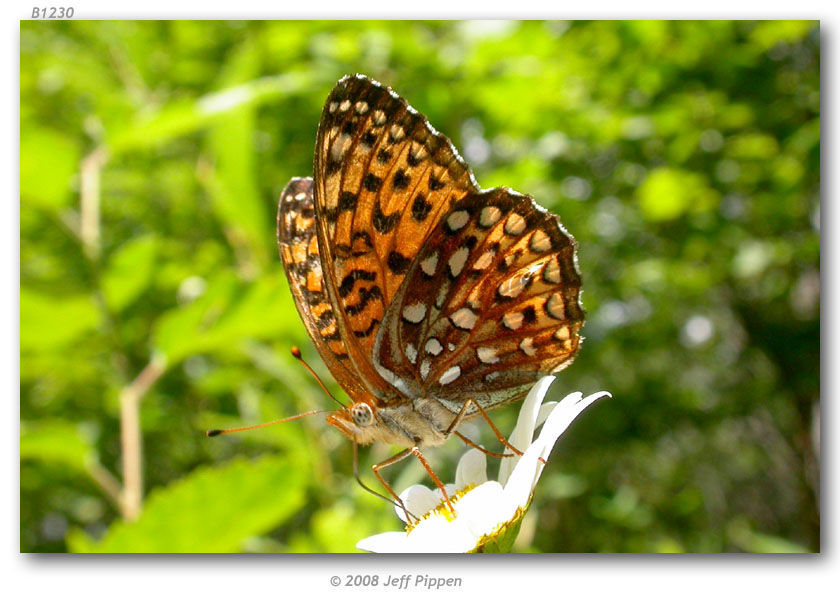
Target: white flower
pixel 488 513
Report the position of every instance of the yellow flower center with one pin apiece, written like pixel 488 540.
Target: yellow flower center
pixel 442 509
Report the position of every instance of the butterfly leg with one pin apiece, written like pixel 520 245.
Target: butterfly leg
pixel 472 444
pixel 386 463
pixel 416 452
pixel 398 503
pixel 459 419
pixel 397 458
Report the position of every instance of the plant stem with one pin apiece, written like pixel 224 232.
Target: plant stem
pixel 91 170
pixel 109 484
pixel 132 445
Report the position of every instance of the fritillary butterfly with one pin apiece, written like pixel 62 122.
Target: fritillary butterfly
pixel 430 300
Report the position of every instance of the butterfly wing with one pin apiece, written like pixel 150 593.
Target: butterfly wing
pixel 489 305
pixel 383 178
pixel 415 282
pixel 302 262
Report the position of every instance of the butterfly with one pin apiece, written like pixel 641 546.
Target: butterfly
pixel 430 300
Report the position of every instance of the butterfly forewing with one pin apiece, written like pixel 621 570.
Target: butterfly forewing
pixel 383 179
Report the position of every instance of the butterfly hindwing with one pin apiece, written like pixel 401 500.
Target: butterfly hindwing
pixel 302 262
pixel 489 305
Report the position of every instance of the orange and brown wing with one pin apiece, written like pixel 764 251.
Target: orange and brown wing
pixel 490 304
pixel 383 179
pixel 302 261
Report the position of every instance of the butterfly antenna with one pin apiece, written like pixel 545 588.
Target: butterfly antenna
pixel 215 432
pixel 296 353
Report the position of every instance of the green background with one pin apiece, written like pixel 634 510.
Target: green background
pixel 684 157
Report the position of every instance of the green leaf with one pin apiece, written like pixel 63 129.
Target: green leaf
pixel 129 271
pixel 753 146
pixel 232 183
pixel 229 313
pixel 182 117
pixel 668 193
pixel 213 509
pixel 50 323
pixel 180 331
pixel 56 441
pixel 338 528
pixel 48 161
pixel 742 534
pixel 769 33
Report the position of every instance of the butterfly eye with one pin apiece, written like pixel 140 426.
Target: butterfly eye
pixel 362 414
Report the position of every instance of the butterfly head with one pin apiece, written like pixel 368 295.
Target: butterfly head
pixel 357 421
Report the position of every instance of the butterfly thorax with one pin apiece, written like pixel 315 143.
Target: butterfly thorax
pixel 421 422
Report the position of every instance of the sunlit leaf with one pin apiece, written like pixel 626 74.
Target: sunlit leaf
pixel 667 193
pixel 48 161
pixel 231 181
pixel 56 441
pixel 753 146
pixel 53 322
pixel 754 541
pixel 769 33
pixel 129 271
pixel 229 313
pixel 213 509
pixel 182 117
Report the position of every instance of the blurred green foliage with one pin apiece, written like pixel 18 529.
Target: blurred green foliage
pixel 684 156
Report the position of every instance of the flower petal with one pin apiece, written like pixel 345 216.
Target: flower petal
pixel 450 491
pixel 523 433
pixel 437 534
pixel 545 410
pixel 434 534
pixel 472 469
pixel 561 417
pixel 522 481
pixel 390 541
pixel 419 500
pixel 483 509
